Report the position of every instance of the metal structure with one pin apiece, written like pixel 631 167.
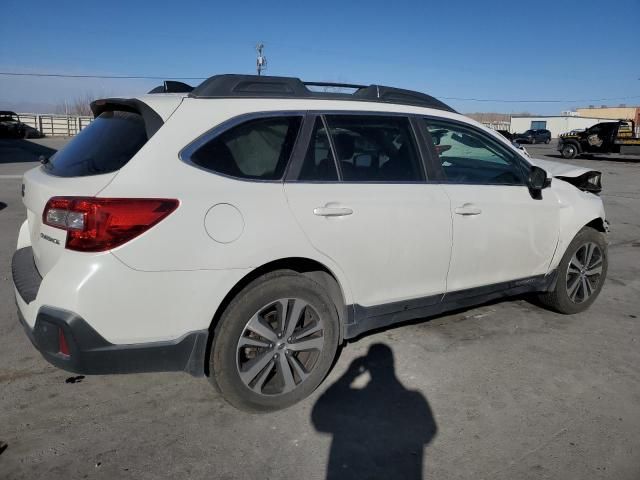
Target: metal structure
pixel 261 61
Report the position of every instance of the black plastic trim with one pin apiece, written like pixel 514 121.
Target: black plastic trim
pixel 253 86
pixel 26 277
pixel 364 319
pixel 300 148
pixel 172 86
pixel 91 354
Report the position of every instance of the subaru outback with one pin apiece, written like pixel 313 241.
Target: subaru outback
pixel 244 229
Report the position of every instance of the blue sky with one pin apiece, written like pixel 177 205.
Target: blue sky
pixel 509 50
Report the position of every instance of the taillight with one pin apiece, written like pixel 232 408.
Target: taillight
pixel 99 224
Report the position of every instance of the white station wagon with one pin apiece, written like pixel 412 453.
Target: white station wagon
pixel 243 229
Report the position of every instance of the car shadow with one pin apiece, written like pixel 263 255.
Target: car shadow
pixel 379 430
pixel 3 205
pixel 22 151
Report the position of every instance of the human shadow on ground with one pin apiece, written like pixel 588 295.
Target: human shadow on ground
pixel 380 430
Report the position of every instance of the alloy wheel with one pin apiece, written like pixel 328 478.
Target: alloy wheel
pixel 280 346
pixel 584 272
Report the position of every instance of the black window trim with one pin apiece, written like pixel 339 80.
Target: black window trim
pixel 522 164
pixel 297 157
pixel 186 153
pixel 301 147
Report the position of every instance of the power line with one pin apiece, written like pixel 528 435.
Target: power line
pixel 64 75
pixel 263 65
pixel 537 101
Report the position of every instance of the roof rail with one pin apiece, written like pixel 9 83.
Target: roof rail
pixel 171 86
pixel 333 84
pixel 254 86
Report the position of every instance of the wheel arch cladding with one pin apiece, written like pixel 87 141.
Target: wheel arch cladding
pixel 597 224
pixel 312 269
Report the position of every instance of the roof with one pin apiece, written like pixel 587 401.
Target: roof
pixel 254 86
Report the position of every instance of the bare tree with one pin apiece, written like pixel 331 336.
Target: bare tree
pixel 77 106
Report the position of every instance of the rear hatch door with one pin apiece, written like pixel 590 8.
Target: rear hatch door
pixel 83 167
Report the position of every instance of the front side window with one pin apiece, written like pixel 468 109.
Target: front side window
pixel 375 148
pixel 257 149
pixel 469 156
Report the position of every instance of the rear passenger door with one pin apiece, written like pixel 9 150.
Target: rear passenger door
pixel 360 193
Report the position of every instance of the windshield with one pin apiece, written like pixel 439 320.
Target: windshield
pixel 105 146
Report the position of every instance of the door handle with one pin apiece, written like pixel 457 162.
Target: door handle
pixel 332 211
pixel 468 209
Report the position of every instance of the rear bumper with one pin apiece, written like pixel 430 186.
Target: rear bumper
pixel 91 354
pixel 26 277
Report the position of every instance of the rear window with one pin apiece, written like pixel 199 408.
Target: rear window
pixel 105 146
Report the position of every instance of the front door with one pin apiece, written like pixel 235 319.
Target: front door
pixel 500 232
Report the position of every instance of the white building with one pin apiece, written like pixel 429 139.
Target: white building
pixel 556 124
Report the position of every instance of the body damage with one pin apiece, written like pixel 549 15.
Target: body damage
pixel 585 179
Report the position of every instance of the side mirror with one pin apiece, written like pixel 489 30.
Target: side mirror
pixel 538 179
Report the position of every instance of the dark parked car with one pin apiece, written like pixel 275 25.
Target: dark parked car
pixel 11 126
pixel 506 134
pixel 533 136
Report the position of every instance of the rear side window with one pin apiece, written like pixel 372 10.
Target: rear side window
pixel 257 149
pixel 375 148
pixel 105 146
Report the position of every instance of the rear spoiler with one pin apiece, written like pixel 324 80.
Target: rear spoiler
pixel 152 121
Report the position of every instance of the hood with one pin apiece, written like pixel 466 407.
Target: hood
pixel 558 169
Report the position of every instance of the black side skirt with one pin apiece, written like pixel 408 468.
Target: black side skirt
pixel 363 319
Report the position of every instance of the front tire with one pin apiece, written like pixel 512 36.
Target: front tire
pixel 274 343
pixel 547 141
pixel 580 275
pixel 569 151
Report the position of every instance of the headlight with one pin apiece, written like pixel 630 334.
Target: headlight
pixel 593 179
pixel 588 182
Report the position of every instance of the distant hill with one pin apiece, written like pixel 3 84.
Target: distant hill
pixel 27 107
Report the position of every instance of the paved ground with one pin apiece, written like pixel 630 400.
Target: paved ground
pixel 503 391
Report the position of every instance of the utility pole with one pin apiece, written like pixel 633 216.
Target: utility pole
pixel 261 61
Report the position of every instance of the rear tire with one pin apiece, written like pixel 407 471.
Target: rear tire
pixel 580 274
pixel 569 151
pixel 274 343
